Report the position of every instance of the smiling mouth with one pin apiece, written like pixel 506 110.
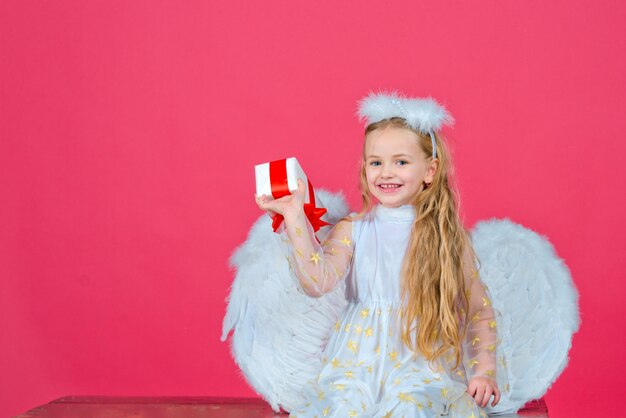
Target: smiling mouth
pixel 388 188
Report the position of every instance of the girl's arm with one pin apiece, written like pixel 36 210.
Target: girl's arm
pixel 319 268
pixel 481 340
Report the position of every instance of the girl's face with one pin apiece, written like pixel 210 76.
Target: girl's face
pixel 395 166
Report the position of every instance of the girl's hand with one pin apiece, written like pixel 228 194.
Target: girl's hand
pixel 291 203
pixel 481 388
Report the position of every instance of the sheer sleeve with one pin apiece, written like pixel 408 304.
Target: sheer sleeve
pixel 481 339
pixel 318 267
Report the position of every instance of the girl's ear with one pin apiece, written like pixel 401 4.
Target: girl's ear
pixel 432 169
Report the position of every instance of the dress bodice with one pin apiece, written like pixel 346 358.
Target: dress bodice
pixel 380 240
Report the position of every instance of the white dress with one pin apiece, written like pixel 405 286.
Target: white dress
pixel 367 370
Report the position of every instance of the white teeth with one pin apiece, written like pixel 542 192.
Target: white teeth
pixel 389 186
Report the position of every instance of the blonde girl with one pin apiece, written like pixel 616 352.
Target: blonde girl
pixel 418 338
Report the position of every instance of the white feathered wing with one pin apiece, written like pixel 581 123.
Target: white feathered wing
pixel 279 333
pixel 532 289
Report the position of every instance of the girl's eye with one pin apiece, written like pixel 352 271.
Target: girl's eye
pixel 376 163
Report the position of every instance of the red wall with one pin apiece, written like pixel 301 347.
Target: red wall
pixel 129 131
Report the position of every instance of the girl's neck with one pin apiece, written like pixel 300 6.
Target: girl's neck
pixel 404 213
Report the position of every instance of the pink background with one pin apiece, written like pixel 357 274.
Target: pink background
pixel 129 131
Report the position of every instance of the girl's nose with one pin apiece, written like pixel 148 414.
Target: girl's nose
pixel 386 171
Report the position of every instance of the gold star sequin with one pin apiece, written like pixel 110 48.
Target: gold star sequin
pixel 377 350
pixel 491 347
pixel 387 415
pixel 363 406
pixel 475 340
pixel 492 324
pixel 333 251
pixel 298 232
pixel 405 397
pixel 491 373
pixel 326 411
pixel 397 365
pixel 358 329
pixel 315 257
pixel 393 355
pixel 299 252
pixel 349 374
pixel 336 363
pixel 321 396
pixel 503 362
pixel 346 241
pixel 339 387
pixel 369 369
pixel 472 363
pixel 353 413
pixel 365 312
pixel 352 346
pixel 476 317
pixel 337 325
pixel 397 381
pixel 347 328
pixel 486 301
pixel 444 392
pixel 426 381
pixel 314 278
pixel 369 332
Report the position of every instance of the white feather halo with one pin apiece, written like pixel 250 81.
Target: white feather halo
pixel 422 114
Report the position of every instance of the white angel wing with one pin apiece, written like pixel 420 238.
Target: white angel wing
pixel 532 289
pixel 279 333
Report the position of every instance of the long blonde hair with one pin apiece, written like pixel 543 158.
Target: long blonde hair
pixel 433 288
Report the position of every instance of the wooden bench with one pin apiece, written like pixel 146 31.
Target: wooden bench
pixel 188 407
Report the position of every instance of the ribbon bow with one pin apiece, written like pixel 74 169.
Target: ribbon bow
pixel 280 188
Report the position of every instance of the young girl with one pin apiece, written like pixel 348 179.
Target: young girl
pixel 418 338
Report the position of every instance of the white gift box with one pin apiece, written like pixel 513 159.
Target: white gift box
pixel 264 177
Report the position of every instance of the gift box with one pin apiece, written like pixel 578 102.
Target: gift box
pixel 280 178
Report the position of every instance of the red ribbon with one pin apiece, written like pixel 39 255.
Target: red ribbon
pixel 280 188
